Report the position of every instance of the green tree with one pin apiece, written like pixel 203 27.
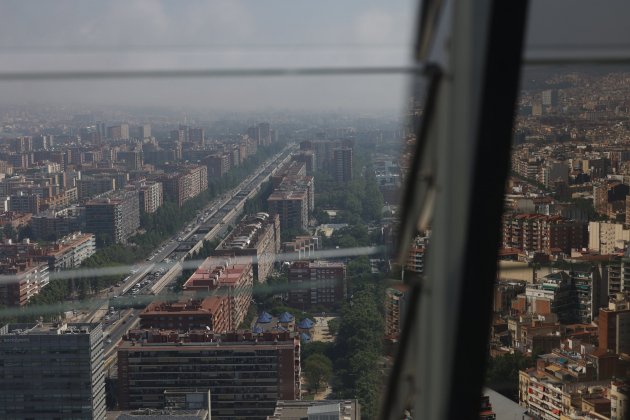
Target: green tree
pixel 317 371
pixel 502 373
pixel 9 231
pixel 333 326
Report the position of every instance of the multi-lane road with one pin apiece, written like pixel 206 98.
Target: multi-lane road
pixel 147 278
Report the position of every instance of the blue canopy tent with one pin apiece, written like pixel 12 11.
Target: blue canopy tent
pixel 264 318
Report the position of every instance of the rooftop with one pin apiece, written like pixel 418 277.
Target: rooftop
pixel 47 329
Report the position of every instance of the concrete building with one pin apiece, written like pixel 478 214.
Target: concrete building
pixel 591 286
pixel 555 387
pixel 614 325
pixel 318 283
pixel 552 294
pixel 292 209
pixel 534 333
pixel 609 198
pixel 301 248
pixel 416 257
pixel 49 225
pixel 25 203
pixel 308 157
pixel 188 182
pixel 550 97
pixel 151 196
pixel 132 159
pixel 114 219
pixel 606 238
pixel 161 414
pixel 210 313
pixel 256 236
pixel 543 234
pixel 118 132
pixel 245 373
pixel 22 278
pixel 70 251
pixel 619 400
pixel 197 136
pixel 342 158
pixel 231 282
pixel 52 371
pixel 218 164
pixel 89 186
pixel 396 298
pixel 317 410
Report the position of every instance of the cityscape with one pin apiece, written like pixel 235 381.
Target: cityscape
pixel 193 269
pixel 186 235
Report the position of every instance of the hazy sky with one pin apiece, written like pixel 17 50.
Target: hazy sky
pixel 190 34
pixel 176 34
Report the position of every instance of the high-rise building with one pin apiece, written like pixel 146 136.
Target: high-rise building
pixel 132 159
pixel 69 251
pixel 550 97
pixel 261 133
pixel 396 300
pixel 151 196
pixel 291 207
pixel 604 237
pixel 342 157
pixel 245 373
pixel 114 219
pixel 416 257
pixel 143 131
pixel 52 371
pixel 218 164
pixel 318 283
pixel 188 182
pixel 197 136
pixel 118 132
pixel 23 279
pixel 231 282
pixel 256 236
pixel 308 157
pixel 614 325
pixel 25 203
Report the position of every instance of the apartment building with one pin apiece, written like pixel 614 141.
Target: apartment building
pixel 211 313
pixel 70 251
pixel 606 237
pixel 292 209
pixel 151 196
pixel 563 384
pixel 217 164
pixel 342 158
pixel 256 236
pixel 52 371
pixel 543 234
pixel 227 280
pixel 396 301
pixel 188 182
pixel 116 218
pixel 416 256
pixel 245 373
pixel 614 325
pixel 318 283
pixel 49 225
pixel 301 248
pixel 22 278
